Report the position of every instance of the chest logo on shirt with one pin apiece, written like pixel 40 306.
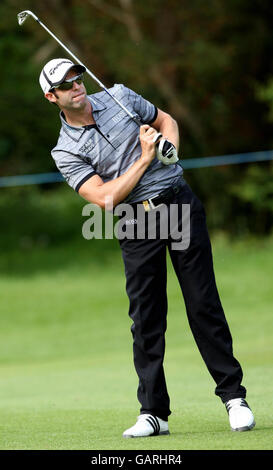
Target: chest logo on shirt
pixel 118 117
pixel 87 147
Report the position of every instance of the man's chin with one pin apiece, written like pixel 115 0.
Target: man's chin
pixel 79 103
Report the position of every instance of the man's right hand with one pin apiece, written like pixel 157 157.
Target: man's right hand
pixel 96 191
pixel 147 136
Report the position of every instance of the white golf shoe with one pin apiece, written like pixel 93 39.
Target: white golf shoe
pixel 147 425
pixel 240 415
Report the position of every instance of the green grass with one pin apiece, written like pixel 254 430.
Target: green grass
pixel 67 379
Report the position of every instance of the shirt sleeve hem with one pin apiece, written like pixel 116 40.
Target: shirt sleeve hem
pixel 154 116
pixel 84 180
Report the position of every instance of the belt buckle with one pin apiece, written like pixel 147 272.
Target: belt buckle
pixel 148 204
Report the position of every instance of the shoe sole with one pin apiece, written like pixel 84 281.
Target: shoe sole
pixel 149 435
pixel 244 428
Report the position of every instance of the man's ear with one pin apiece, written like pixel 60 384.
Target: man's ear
pixel 51 97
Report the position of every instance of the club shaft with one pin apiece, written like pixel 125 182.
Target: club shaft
pixel 87 70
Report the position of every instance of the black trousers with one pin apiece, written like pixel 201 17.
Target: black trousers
pixel 145 269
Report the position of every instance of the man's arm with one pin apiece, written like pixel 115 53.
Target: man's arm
pixel 168 127
pixel 96 191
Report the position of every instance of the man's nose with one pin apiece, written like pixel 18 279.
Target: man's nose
pixel 76 86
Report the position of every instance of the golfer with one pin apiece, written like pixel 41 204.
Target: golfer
pixel 102 153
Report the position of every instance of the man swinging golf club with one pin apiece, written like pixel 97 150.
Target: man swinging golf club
pixel 102 152
pixel 111 145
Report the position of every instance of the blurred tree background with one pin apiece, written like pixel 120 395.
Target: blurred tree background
pixel 206 63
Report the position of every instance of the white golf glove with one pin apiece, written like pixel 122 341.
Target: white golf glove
pixel 165 151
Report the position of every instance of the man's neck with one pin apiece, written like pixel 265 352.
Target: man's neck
pixel 79 117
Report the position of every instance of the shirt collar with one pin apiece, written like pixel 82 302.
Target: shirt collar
pixel 76 132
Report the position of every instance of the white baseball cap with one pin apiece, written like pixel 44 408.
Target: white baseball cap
pixel 54 72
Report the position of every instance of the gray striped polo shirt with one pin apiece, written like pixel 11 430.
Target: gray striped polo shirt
pixel 112 145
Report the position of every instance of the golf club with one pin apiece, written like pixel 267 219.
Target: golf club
pixel 165 150
pixel 23 15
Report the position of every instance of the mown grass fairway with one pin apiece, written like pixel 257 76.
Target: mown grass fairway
pixel 67 379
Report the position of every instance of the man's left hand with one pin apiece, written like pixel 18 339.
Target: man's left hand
pixel 166 152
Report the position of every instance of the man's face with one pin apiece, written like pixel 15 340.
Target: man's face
pixel 75 98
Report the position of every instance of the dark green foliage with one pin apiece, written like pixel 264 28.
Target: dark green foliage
pixel 206 63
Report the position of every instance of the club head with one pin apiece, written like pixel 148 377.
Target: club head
pixel 23 16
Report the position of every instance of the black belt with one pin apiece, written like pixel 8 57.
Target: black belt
pixel 164 197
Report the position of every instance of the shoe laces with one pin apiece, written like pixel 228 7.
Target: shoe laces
pixel 236 403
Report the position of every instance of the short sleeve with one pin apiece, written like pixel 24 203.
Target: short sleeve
pixel 74 170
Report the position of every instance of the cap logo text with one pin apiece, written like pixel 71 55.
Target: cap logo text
pixel 52 71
